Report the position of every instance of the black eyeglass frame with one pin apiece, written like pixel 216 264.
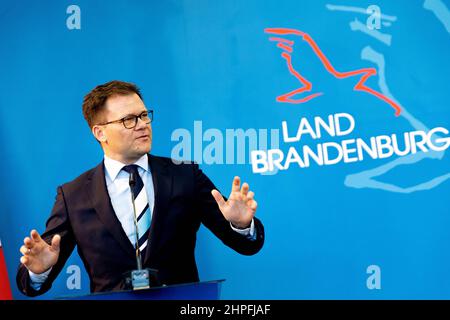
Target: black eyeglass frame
pixel 132 116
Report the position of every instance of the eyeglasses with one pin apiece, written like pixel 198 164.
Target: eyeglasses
pixel 131 121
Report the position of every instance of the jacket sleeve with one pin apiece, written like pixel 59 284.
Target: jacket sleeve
pixel 214 220
pixel 58 223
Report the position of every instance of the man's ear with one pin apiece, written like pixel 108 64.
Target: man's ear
pixel 99 133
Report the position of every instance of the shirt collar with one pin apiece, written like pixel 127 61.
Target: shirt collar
pixel 113 167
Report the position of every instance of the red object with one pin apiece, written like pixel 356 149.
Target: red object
pixel 5 288
pixel 307 86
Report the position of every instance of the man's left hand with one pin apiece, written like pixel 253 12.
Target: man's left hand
pixel 240 207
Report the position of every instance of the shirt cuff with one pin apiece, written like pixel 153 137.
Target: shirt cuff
pixel 38 279
pixel 248 232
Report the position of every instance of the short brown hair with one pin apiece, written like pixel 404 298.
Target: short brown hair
pixel 95 100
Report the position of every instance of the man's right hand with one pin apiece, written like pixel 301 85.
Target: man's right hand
pixel 38 256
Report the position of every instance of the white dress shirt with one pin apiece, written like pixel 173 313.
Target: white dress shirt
pixel 117 183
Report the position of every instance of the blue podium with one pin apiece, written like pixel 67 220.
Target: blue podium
pixel 207 290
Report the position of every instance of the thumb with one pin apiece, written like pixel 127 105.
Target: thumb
pixel 56 241
pixel 35 236
pixel 218 197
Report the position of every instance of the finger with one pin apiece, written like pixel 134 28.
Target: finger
pixel 250 196
pixel 24 260
pixel 28 243
pixel 236 184
pixel 56 241
pixel 24 250
pixel 35 236
pixel 253 205
pixel 218 197
pixel 244 189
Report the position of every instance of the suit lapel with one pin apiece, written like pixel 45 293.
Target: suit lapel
pixel 162 183
pixel 101 202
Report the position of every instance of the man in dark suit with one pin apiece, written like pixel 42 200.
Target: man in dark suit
pixel 95 213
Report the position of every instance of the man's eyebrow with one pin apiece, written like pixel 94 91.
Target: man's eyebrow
pixel 134 115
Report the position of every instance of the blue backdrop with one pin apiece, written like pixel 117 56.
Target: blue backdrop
pixel 373 229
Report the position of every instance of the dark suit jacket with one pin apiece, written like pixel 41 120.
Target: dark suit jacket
pixel 84 217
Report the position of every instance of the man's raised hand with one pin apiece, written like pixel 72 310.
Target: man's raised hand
pixel 38 256
pixel 240 207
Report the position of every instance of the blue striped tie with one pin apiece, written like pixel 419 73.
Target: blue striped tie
pixel 142 208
